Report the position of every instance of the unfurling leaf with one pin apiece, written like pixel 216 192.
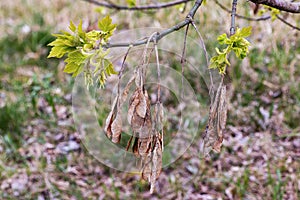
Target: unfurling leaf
pixel 131 3
pixel 107 27
pixel 81 49
pixel 236 43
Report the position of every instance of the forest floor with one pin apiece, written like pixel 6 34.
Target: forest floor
pixel 41 153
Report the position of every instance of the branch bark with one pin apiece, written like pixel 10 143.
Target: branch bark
pixel 110 5
pixel 288 6
pixel 157 37
pixel 263 18
pixel 258 19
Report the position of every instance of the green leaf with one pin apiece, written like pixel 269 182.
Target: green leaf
pixel 93 36
pixel 70 68
pixel 72 27
pixel 106 25
pixel 78 71
pixel 222 38
pixel 61 42
pixel 75 56
pixel 75 63
pixel 110 68
pixel 58 51
pixel 84 50
pixel 236 43
pixel 80 32
pixel 131 3
pixel 218 50
pixel 245 32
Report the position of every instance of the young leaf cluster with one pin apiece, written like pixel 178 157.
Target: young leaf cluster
pixel 84 50
pixel 236 43
pixel 273 11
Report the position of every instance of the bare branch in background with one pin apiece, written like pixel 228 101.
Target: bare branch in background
pixel 162 34
pixel 288 23
pixel 288 6
pixel 109 4
pixel 263 18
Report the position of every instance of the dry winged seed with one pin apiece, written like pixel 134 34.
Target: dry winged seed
pixel 141 108
pixel 153 164
pixel 139 113
pixel 221 119
pixel 116 128
pixel 217 120
pixel 126 90
pixel 110 118
pixel 223 108
pixel 108 123
pixel 133 102
pixel 144 146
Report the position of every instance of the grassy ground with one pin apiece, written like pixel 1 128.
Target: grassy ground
pixel 41 156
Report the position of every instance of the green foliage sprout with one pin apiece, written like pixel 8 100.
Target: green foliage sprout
pixel 273 12
pixel 236 43
pixel 84 50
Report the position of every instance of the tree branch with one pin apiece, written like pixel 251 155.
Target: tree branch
pixel 233 13
pixel 110 5
pixel 162 34
pixel 288 23
pixel 292 7
pixel 263 18
pixel 258 19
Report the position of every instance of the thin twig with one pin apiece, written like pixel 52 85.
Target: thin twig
pixel 206 56
pixel 143 71
pixel 233 11
pixel 284 5
pixel 162 34
pixel 183 59
pixel 110 5
pixel 263 18
pixel 288 23
pixel 122 69
pixel 158 72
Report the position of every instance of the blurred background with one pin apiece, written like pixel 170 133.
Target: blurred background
pixel 41 156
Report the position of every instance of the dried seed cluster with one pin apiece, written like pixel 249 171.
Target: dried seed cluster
pixel 147 128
